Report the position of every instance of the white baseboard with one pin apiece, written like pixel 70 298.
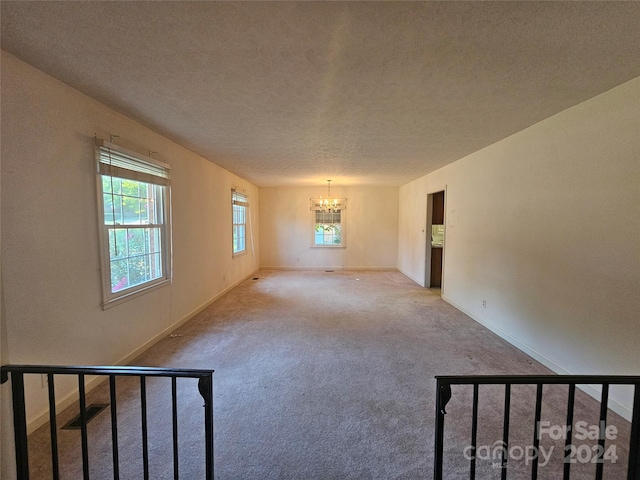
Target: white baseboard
pixel 594 391
pixel 42 417
pixel 341 267
pixel 409 276
pixel 167 331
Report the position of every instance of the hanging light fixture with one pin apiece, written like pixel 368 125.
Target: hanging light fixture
pixel 328 204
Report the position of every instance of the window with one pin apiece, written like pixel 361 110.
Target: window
pixel 134 209
pixel 240 204
pixel 328 228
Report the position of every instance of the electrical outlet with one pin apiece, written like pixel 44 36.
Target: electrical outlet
pixel 224 278
pixel 484 303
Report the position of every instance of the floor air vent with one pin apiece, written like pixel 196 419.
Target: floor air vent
pixel 92 411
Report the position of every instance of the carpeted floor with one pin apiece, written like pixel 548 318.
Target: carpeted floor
pixel 324 376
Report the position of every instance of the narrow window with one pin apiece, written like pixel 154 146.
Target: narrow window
pixel 328 228
pixel 134 201
pixel 240 203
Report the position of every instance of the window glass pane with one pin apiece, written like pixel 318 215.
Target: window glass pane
pixel 327 234
pixel 118 243
pixel 109 215
pixel 240 238
pixel 112 244
pixel 235 239
pixel 136 239
pixel 238 214
pixel 119 275
pixel 155 196
pixel 117 184
pixel 154 244
pixel 106 184
pixel 137 270
pixel 155 265
pixel 116 211
pixel 135 206
pixel 130 188
pixel 147 266
pixel 144 211
pixel 131 210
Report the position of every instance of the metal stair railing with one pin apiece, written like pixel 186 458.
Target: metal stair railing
pixel 444 394
pixel 16 374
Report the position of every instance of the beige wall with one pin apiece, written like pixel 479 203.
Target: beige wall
pixel 371 222
pixel 545 225
pixel 50 253
pixel 7 462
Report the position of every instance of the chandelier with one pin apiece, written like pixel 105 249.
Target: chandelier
pixel 328 204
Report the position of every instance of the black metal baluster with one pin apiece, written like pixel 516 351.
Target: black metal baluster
pixel 19 425
pixel 114 427
pixel 505 430
pixel 536 435
pixel 443 395
pixel 569 424
pixel 205 386
pixel 633 470
pixel 602 426
pixel 145 445
pixel 474 433
pixel 174 408
pixel 55 469
pixel 83 427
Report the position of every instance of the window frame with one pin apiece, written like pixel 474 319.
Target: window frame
pixel 238 200
pixel 163 187
pixel 314 225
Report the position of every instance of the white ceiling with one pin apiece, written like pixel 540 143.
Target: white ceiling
pixel 365 93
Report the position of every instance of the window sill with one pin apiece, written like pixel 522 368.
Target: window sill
pixel 328 246
pixel 239 254
pixel 129 296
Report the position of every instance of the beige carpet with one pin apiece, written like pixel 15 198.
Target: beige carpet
pixel 324 376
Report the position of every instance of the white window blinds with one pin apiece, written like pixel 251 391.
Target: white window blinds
pixel 116 161
pixel 327 217
pixel 239 199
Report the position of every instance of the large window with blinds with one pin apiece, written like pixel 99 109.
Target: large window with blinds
pixel 239 202
pixel 134 211
pixel 328 228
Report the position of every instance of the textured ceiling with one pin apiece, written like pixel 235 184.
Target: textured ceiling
pixel 365 93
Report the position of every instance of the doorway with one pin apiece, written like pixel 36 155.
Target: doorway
pixel 434 265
